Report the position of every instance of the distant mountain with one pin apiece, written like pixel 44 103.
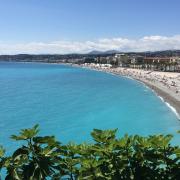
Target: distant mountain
pixel 95 52
pixel 80 57
pixel 103 52
pixel 164 53
pixel 111 52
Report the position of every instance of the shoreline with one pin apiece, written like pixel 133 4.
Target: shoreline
pixel 165 95
pixel 171 100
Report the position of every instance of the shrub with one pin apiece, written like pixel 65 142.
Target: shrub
pixel 109 157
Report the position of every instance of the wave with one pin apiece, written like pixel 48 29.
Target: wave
pixel 146 86
pixel 173 109
pixel 162 99
pixel 170 107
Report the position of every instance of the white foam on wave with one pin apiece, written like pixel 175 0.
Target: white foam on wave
pixel 170 107
pixel 161 98
pixel 173 110
pixel 130 77
pixel 147 87
pixel 167 104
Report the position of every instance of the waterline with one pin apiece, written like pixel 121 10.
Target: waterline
pixel 69 102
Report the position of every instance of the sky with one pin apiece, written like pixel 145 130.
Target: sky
pixel 81 26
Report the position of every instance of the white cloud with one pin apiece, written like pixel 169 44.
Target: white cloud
pixel 147 43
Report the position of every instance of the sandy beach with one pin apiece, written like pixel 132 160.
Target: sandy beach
pixel 165 84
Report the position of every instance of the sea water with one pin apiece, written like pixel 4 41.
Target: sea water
pixel 69 102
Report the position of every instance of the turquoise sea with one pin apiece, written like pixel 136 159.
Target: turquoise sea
pixel 69 102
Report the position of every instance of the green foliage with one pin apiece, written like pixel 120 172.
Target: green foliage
pixel 128 157
pixel 26 134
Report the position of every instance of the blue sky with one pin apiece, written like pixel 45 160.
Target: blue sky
pixel 59 25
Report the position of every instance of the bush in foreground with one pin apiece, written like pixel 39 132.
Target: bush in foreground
pixel 129 157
